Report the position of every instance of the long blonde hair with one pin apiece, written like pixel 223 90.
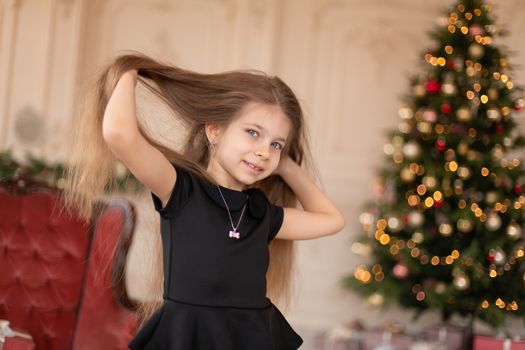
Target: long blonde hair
pixel 196 99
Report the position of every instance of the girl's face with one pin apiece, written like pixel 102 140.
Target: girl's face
pixel 249 148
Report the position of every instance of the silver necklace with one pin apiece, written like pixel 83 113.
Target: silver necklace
pixel 233 233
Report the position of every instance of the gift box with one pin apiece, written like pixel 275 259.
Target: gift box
pixel 482 342
pixel 343 337
pixel 386 340
pixel 454 338
pixel 354 336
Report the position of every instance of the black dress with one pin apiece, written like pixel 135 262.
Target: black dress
pixel 214 284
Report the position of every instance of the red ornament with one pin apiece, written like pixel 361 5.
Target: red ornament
pixel 451 64
pixel 446 108
pixel 518 189
pixel 491 257
pixel 432 86
pixel 441 144
pixel 517 107
pixel 500 129
pixel 439 203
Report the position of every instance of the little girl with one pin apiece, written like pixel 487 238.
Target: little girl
pixel 226 200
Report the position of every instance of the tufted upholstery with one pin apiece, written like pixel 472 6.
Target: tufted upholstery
pixel 62 279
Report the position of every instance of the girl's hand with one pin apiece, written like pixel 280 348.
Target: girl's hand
pixel 318 216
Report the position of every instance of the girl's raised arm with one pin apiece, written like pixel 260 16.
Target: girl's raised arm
pixel 122 135
pixel 320 216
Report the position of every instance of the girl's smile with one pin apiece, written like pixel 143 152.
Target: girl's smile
pixel 253 168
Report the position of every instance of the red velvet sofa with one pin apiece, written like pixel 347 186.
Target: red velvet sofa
pixel 61 278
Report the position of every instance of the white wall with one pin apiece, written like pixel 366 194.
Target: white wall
pixel 348 62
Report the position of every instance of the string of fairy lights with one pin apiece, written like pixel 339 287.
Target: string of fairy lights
pixel 427 194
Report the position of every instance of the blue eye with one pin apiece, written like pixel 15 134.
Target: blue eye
pixel 277 145
pixel 251 130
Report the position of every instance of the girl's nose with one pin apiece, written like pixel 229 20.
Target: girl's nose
pixel 262 153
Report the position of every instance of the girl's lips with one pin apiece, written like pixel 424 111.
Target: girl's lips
pixel 253 167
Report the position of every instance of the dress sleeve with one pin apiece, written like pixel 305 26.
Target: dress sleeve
pixel 276 220
pixel 180 194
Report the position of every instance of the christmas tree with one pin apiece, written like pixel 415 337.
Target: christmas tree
pixel 444 231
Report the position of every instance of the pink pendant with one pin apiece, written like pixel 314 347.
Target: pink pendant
pixel 234 234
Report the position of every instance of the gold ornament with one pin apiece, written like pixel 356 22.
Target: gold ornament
pixel 424 127
pixel 411 150
pixel 406 112
pixel 461 282
pixel 493 221
pixel 514 230
pixel 389 149
pixel 463 173
pixel 463 114
pixel 494 114
pixel 449 89
pixel 397 157
pixel 476 51
pixel 508 142
pixel 398 141
pixel 394 224
pixel 445 229
pixel 429 181
pixel 418 237
pixel 407 175
pixel 464 225
pixel 366 219
pixel 415 218
pixel 491 197
pixel 376 299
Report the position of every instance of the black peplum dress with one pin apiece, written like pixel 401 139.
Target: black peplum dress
pixel 214 284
